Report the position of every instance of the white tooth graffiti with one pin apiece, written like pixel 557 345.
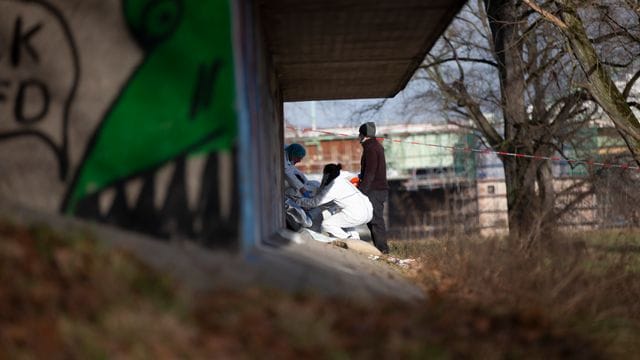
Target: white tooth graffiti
pixel 105 200
pixel 132 191
pixel 195 170
pixel 162 180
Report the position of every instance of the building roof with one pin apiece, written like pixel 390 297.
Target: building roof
pixel 347 49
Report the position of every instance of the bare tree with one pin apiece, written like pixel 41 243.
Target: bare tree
pixel 499 58
pixel 615 27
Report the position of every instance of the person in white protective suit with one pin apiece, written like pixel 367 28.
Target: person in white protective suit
pixel 353 207
pixel 297 183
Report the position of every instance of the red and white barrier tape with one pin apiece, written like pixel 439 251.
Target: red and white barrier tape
pixel 589 163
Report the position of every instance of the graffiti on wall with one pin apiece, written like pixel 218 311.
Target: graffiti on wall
pixel 37 83
pixel 162 158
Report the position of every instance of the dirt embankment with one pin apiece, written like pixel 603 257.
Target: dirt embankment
pixel 65 295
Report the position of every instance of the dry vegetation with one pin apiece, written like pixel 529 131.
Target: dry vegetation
pixel 66 296
pixel 587 284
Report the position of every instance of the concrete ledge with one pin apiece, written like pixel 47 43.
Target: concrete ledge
pixel 330 270
pixel 311 266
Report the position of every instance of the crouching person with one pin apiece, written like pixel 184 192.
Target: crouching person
pixel 352 208
pixel 297 183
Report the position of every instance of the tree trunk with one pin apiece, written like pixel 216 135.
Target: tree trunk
pixel 508 47
pixel 520 198
pixel 546 211
pixel 601 86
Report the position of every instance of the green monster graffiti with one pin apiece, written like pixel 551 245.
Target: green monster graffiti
pixel 180 100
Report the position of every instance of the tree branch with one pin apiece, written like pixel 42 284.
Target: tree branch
pixel 483 123
pixel 546 14
pixel 463 59
pixel 632 81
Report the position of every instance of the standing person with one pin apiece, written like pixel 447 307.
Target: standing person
pixel 373 182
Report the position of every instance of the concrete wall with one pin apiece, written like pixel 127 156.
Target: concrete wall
pixel 493 216
pixel 261 141
pixel 126 112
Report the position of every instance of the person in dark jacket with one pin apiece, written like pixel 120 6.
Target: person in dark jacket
pixel 373 182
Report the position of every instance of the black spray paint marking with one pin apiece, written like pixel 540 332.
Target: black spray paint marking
pixel 22 40
pixel 203 92
pixel 25 96
pixel 39 90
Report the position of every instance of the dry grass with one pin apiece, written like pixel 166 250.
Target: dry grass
pixel 64 295
pixel 588 284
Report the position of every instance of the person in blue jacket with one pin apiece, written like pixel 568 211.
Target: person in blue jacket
pixel 296 181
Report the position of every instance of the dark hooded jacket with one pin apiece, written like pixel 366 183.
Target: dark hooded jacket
pixel 373 167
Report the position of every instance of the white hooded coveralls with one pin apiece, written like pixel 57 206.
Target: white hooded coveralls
pixel 355 207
